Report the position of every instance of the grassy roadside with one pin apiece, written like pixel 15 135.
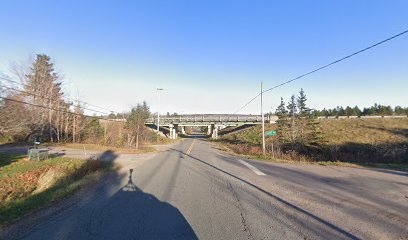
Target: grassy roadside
pixel 102 148
pixel 227 147
pixel 344 142
pixel 29 185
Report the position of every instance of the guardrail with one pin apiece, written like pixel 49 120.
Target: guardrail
pixel 354 117
pixel 220 119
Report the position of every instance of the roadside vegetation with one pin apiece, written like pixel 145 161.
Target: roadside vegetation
pixel 35 107
pixel 103 148
pixel 375 110
pixel 29 185
pixel 301 137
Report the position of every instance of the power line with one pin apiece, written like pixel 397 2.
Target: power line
pixel 68 98
pixel 51 99
pixel 247 103
pixel 41 106
pixel 327 65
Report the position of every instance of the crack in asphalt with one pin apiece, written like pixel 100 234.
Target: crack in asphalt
pixel 245 226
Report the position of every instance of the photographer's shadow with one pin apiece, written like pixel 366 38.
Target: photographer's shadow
pixel 134 214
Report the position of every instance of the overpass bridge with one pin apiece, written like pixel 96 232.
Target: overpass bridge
pixel 213 122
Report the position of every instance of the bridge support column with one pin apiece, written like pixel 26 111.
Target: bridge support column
pixel 209 131
pixel 175 135
pixel 172 133
pixel 215 132
pixel 183 130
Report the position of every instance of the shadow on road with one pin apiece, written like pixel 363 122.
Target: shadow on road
pixel 341 232
pixel 57 154
pixel 108 156
pixel 114 208
pixel 198 135
pixel 133 214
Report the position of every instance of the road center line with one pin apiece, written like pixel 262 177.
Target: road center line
pixel 190 148
pixel 254 169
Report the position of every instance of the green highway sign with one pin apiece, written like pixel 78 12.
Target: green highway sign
pixel 270 133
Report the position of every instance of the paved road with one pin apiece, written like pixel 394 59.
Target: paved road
pixel 194 191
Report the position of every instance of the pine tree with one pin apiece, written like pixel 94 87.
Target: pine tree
pixel 304 116
pixel 316 134
pixel 348 111
pixel 357 111
pixel 292 114
pixel 44 88
pixel 135 123
pixel 281 110
pixel 398 110
pixel 282 122
pixel 301 104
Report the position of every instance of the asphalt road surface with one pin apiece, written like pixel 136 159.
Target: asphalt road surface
pixel 192 190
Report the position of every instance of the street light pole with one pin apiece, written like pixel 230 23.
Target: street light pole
pixel 263 123
pixel 158 108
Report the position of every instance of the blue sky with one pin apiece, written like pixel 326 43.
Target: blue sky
pixel 210 56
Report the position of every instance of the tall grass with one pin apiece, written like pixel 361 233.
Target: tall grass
pixel 344 140
pixel 19 183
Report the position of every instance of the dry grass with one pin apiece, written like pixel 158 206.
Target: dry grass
pixel 360 141
pixel 341 131
pixel 103 148
pixel 365 131
pixel 21 188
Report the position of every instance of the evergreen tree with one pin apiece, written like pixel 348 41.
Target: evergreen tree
pixel 281 110
pixel 292 106
pixel 282 122
pixel 44 88
pixel 357 111
pixel 301 104
pixel 315 136
pixel 340 111
pixel 304 116
pixel 348 111
pixel 292 114
pixel 135 123
pixel 299 122
pixel 92 131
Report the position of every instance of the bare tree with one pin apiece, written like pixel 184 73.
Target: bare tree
pixel 135 123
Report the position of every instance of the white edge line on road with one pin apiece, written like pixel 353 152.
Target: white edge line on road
pixel 254 169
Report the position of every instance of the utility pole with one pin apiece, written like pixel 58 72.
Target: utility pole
pixel 263 123
pixel 293 121
pixel 158 107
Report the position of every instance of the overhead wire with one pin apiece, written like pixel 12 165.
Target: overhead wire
pixel 325 66
pixel 50 108
pixel 68 98
pixel 51 99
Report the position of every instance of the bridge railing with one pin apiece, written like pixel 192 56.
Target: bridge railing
pixel 211 118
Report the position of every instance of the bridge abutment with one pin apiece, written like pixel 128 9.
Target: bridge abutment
pixel 173 131
pixel 215 133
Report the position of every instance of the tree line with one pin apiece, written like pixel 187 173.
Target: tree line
pixel 298 128
pixel 296 124
pixel 34 107
pixel 375 110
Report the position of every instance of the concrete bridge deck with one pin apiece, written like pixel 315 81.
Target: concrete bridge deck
pixel 213 122
pixel 203 120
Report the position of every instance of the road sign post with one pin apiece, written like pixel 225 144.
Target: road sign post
pixel 273 152
pixel 271 134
